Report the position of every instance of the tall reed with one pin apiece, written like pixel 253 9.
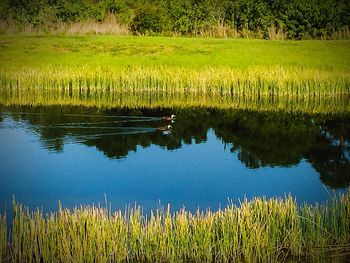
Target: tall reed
pixel 223 81
pixel 261 230
pixel 3 239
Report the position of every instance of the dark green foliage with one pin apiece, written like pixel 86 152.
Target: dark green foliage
pixel 296 18
pixel 34 12
pixel 78 10
pixel 149 17
pixel 121 9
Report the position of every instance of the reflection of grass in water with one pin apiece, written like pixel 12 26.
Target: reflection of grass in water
pixel 37 97
pixel 260 230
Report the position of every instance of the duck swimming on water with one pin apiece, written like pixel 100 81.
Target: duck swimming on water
pixel 167 118
pixel 165 128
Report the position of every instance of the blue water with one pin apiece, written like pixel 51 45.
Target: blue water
pixel 197 174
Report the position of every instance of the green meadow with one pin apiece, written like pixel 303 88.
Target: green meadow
pixel 238 67
pixel 197 53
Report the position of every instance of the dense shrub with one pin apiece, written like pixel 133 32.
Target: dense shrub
pixel 296 19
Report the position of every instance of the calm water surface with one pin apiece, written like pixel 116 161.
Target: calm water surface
pixel 79 155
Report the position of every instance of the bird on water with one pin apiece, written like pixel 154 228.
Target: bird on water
pixel 165 128
pixel 167 118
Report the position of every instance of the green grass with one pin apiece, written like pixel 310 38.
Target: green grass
pixel 263 230
pixel 194 53
pixel 176 65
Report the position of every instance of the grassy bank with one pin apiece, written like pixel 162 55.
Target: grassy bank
pixel 260 231
pixel 176 65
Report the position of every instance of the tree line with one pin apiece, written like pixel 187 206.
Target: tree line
pixel 293 19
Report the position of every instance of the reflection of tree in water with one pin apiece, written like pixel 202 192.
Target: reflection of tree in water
pixel 330 155
pixel 185 130
pixel 113 133
pixel 120 146
pixel 277 139
pixel 267 139
pixel 259 138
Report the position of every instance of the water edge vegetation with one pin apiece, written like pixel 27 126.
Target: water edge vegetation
pixel 260 230
pixel 250 68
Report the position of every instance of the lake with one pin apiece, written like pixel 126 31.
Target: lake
pixel 208 157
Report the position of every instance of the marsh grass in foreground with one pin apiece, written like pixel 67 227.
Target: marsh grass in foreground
pixel 257 231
